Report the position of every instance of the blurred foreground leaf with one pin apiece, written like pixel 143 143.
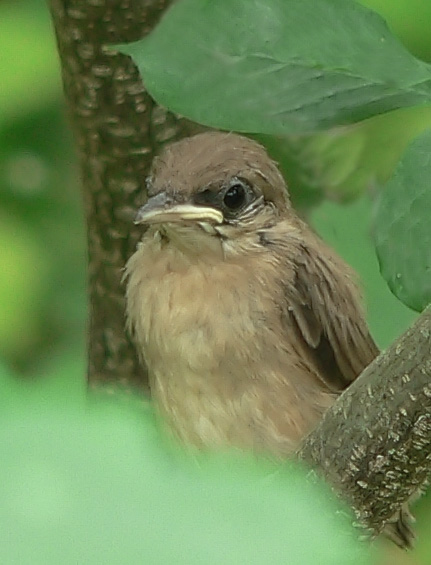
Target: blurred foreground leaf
pixel 402 230
pixel 279 66
pixel 94 484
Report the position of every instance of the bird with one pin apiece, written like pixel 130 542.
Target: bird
pixel 249 324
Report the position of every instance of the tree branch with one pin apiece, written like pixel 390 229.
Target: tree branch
pixel 118 129
pixel 374 445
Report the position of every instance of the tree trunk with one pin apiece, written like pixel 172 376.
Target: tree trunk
pixel 118 129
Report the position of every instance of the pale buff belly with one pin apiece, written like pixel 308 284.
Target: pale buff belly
pixel 205 416
pixel 218 374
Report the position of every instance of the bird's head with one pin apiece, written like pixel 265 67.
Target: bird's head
pixel 214 190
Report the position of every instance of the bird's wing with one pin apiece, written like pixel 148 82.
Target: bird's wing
pixel 323 306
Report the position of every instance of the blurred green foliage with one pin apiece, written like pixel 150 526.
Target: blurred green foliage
pixel 42 245
pixel 89 483
pixel 94 484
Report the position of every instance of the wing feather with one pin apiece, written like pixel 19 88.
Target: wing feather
pixel 324 305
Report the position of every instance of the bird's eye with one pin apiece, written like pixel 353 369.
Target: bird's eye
pixel 235 196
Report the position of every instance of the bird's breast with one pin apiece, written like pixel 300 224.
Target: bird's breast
pixel 199 313
pixel 210 335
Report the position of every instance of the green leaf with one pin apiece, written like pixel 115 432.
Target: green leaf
pixel 409 20
pixel 96 482
pixel 402 231
pixel 344 162
pixel 279 66
pixel 100 487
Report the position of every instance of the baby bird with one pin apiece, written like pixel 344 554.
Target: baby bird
pixel 250 325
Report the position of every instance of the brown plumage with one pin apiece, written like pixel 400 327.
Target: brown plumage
pixel 249 324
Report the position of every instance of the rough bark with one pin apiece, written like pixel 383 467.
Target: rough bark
pixel 374 444
pixel 118 129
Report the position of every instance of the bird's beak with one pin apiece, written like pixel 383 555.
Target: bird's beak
pixel 161 209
